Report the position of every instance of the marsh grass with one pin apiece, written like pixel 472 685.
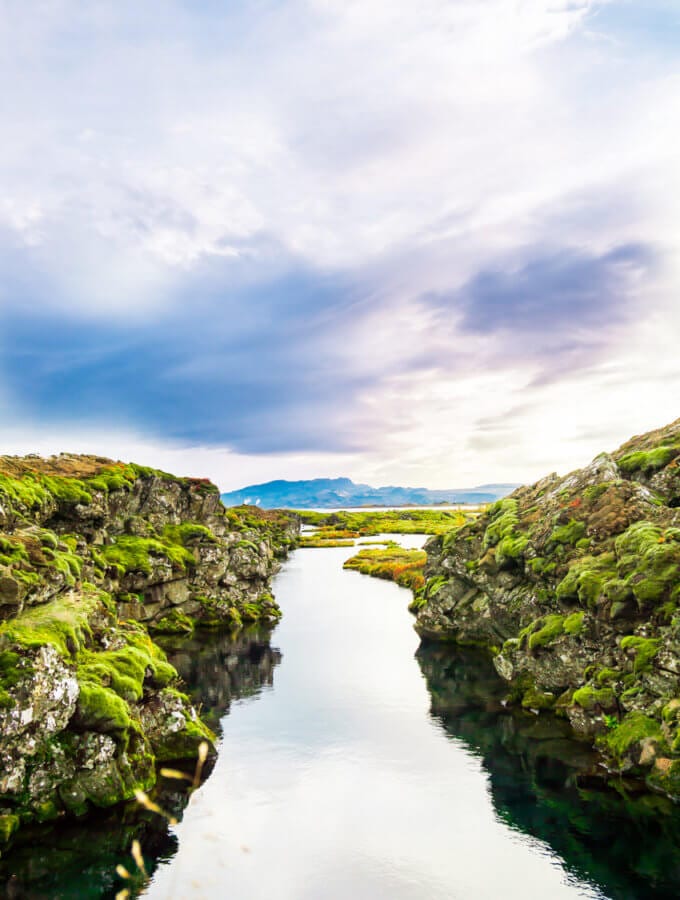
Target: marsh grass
pixel 389 521
pixel 393 562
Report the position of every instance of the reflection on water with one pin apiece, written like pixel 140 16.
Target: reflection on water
pixel 220 668
pixel 338 783
pixel 626 843
pixel 77 860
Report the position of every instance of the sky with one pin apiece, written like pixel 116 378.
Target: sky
pixel 432 244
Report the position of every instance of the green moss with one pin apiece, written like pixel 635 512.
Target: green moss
pixel 434 585
pixel 535 699
pixel 671 710
pixel 250 545
pixel 25 492
pixel 9 823
pixel 311 543
pixel 632 729
pixel 648 460
pixel 251 612
pixel 234 616
pixel 573 623
pixel 113 478
pixel 607 675
pixel 188 533
pixel 645 650
pixel 511 547
pixel 551 627
pixel 667 781
pixel 68 491
pixel 617 590
pixel 13 669
pixel 541 566
pixel 101 709
pixel 589 697
pixel 13 550
pixel 586 579
pixel 174 622
pixel 30 579
pixel 63 623
pixel 629 695
pixel 593 493
pixel 503 518
pixel 184 743
pixel 570 533
pixel 128 669
pixel 130 553
pixel 48 538
pixel 64 561
pixel 649 559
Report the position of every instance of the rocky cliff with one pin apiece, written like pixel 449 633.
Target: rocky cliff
pixel 95 557
pixel 573 584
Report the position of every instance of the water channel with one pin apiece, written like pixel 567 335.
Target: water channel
pixel 355 762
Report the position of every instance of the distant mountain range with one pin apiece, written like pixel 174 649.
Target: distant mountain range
pixel 327 493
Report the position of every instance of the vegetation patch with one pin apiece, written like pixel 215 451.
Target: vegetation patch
pixel 573 624
pixel 632 729
pixel 645 650
pixel 130 553
pixel 502 532
pixel 648 460
pixel 319 543
pixel 571 533
pixel 589 697
pixel 393 562
pixel 389 521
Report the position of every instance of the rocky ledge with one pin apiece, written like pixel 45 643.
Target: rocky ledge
pixel 95 557
pixel 573 585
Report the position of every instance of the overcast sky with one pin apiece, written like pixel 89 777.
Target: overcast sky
pixel 429 243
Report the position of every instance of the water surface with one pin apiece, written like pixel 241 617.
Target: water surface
pixel 339 783
pixel 356 762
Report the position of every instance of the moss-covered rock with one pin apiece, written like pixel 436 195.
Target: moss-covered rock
pixel 94 555
pixel 577 580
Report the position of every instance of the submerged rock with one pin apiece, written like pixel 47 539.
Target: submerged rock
pixel 573 584
pixel 95 556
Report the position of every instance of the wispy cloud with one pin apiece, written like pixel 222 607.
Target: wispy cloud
pixel 315 226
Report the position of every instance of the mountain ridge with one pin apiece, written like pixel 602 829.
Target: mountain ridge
pixel 341 491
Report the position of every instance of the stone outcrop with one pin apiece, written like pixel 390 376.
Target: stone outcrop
pixel 573 584
pixel 95 557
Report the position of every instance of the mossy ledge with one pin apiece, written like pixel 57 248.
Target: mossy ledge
pixel 95 557
pixel 573 585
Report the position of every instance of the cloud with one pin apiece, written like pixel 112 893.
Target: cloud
pixel 553 291
pixel 244 367
pixel 311 226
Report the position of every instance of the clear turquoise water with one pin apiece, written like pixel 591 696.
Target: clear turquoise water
pixel 356 763
pixel 373 769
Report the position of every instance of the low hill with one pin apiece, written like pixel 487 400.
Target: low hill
pixel 332 493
